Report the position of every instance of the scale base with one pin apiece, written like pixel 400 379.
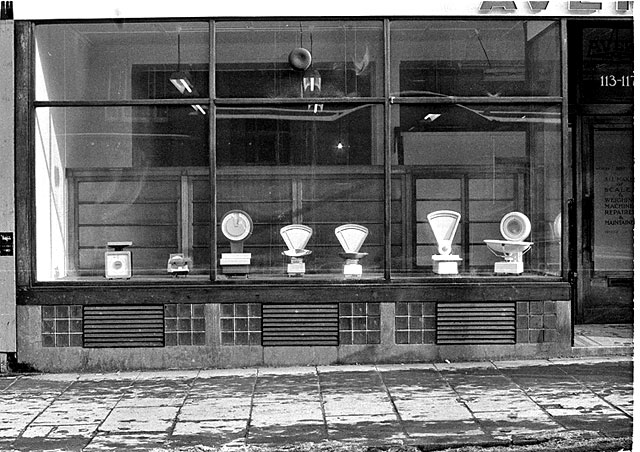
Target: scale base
pixel 445 265
pixel 508 268
pixel 296 267
pixel 235 264
pixel 352 269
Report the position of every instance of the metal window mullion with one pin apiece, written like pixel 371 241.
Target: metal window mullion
pixel 477 100
pixel 213 225
pixel 566 163
pixel 387 149
pixel 298 100
pixel 120 103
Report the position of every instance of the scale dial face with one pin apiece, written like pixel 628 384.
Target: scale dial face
pixel 515 226
pixel 117 264
pixel 236 225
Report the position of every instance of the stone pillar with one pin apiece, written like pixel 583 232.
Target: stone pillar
pixel 7 199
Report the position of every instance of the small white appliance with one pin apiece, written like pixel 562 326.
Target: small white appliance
pixel 117 263
pixel 178 265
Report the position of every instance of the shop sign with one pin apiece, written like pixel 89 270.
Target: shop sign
pixel 613 187
pixel 119 9
pixel 540 6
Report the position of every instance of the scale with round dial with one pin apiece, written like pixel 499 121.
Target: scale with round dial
pixel 236 226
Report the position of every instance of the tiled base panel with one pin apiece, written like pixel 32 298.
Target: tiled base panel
pixel 75 337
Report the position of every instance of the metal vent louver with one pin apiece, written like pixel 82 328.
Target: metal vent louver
pixel 299 324
pixel 476 323
pixel 123 326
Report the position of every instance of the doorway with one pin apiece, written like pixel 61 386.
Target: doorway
pixel 605 236
pixel 601 106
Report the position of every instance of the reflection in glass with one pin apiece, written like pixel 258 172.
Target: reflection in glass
pixel 120 61
pixel 313 134
pixel 267 59
pixel 483 161
pixel 475 58
pixel 114 174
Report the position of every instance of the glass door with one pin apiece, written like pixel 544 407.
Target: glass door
pixel 606 263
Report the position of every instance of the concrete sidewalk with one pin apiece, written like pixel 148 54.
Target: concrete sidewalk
pixel 431 405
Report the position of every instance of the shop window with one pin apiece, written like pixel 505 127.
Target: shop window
pixel 483 162
pixel 298 118
pixel 475 58
pixel 135 179
pixel 298 59
pixel 317 164
pixel 292 164
pixel 114 60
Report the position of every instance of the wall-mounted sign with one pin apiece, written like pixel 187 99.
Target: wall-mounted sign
pixel 569 6
pixel 118 9
pixel 6 243
pixel 613 200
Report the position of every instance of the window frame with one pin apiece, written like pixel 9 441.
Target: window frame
pixel 27 274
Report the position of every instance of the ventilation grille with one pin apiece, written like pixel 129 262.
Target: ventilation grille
pixel 476 323
pixel 123 326
pixel 299 324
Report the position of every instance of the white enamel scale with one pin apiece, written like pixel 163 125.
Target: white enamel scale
pixel 444 224
pixel 515 227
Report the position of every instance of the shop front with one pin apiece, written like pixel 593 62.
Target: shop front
pixel 226 191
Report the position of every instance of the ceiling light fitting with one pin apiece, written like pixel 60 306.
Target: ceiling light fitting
pixel 180 78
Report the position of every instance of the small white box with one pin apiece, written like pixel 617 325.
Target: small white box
pixel 235 259
pixel 509 268
pixel 446 264
pixel 352 270
pixel 296 268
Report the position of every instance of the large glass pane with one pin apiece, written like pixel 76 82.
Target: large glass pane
pixel 319 166
pixel 120 174
pixel 483 162
pixel 475 58
pixel 299 59
pixel 122 61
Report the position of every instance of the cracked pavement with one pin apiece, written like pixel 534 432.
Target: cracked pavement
pixel 436 404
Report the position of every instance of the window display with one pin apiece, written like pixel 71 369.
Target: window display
pixel 482 161
pixel 315 135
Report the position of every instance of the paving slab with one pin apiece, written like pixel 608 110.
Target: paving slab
pixel 218 408
pixel 134 419
pixel 130 442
